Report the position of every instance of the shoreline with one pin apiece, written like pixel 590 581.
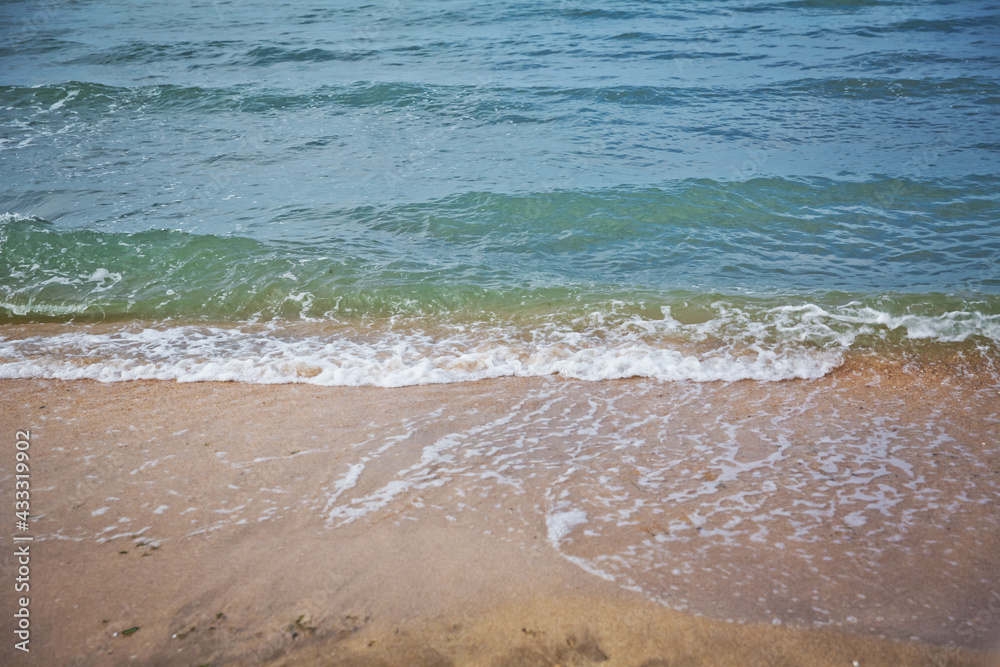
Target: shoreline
pixel 393 354
pixel 461 524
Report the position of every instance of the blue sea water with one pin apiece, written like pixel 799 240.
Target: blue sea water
pixel 398 193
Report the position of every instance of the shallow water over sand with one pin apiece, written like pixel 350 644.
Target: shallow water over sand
pixel 862 501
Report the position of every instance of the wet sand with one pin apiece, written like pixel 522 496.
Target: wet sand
pixel 512 522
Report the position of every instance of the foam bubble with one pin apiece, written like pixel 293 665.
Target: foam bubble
pixel 15 217
pixel 193 354
pixel 561 524
pixel 804 341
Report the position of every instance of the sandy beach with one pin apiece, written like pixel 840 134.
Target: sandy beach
pixel 509 334
pixel 847 520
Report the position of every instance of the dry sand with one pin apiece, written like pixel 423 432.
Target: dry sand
pixel 299 525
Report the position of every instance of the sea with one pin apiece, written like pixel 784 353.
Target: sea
pixel 402 193
pixel 705 294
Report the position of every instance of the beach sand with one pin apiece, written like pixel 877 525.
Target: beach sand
pixel 536 521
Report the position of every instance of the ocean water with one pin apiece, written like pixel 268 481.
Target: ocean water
pixel 441 191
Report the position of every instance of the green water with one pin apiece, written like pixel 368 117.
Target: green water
pixel 685 181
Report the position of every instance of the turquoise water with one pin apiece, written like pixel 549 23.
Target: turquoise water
pixel 395 193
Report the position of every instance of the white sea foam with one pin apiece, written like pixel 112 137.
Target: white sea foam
pixel 561 524
pixel 101 275
pixel 948 327
pixel 15 217
pixel 189 354
pixel 805 341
